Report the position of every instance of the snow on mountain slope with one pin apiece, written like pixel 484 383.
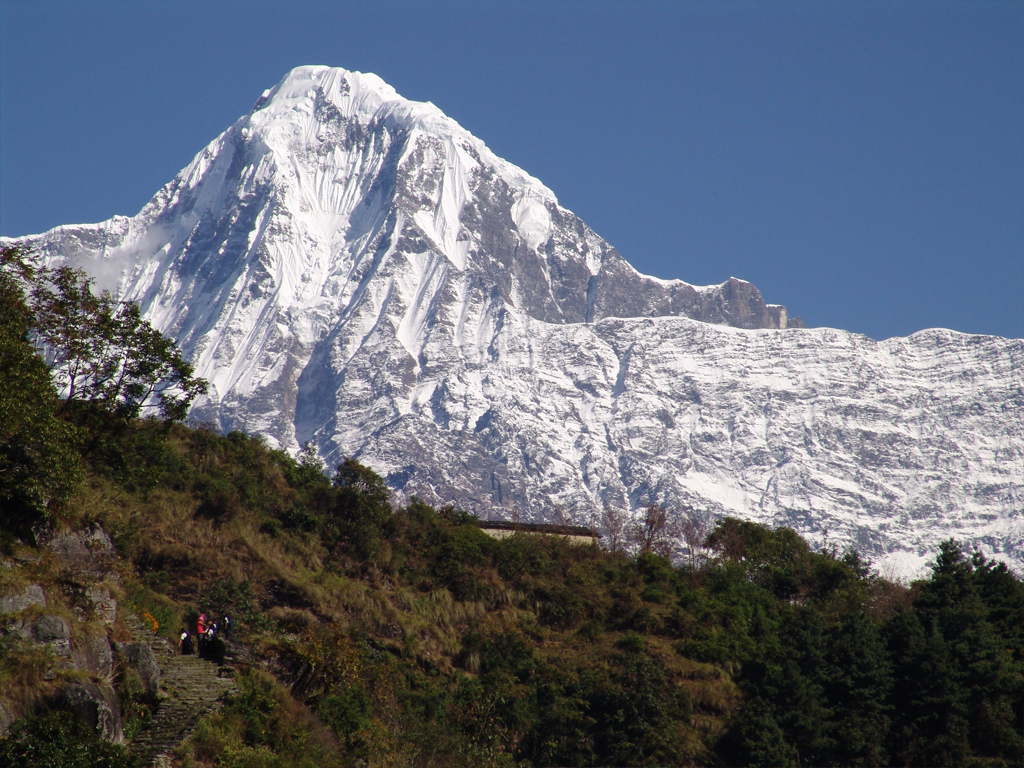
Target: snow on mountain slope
pixel 354 269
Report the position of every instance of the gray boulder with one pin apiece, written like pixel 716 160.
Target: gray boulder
pixel 32 595
pixel 92 654
pixel 88 552
pixel 6 718
pixel 54 631
pixel 103 603
pixel 141 657
pixel 19 628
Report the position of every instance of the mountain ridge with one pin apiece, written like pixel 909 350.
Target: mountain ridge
pixel 356 270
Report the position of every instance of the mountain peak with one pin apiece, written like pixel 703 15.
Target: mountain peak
pixel 354 269
pixel 305 89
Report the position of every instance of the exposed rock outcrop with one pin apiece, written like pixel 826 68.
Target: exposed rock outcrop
pixel 140 656
pixel 95 705
pixel 54 632
pixel 16 603
pixel 89 553
pixel 92 652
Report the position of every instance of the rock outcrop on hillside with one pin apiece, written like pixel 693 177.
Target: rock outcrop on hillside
pixel 74 629
pixel 93 652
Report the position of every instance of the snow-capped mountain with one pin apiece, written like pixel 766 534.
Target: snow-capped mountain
pixel 354 269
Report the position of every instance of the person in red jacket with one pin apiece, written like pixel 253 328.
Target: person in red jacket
pixel 201 628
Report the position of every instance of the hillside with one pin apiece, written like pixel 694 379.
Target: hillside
pixel 409 637
pixel 368 634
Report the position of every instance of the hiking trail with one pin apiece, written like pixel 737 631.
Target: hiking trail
pixel 190 688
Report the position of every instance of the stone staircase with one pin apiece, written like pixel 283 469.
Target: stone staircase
pixel 190 688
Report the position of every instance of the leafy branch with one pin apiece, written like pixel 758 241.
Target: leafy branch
pixel 103 351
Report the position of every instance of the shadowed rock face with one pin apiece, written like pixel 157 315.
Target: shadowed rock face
pixel 89 552
pixel 92 652
pixel 95 705
pixel 54 631
pixel 353 269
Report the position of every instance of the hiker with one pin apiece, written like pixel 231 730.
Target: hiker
pixel 185 643
pixel 215 648
pixel 201 632
pixel 227 625
pixel 206 641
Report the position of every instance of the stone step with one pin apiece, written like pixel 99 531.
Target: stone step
pixel 190 689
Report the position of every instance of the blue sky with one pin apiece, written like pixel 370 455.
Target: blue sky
pixel 861 163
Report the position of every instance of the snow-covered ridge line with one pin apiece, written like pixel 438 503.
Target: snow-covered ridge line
pixel 354 269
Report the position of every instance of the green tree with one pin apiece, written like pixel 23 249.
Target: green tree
pixel 857 684
pixel 755 739
pixel 976 708
pixel 632 707
pixel 930 718
pixel 39 463
pixel 778 559
pixel 309 471
pixel 104 352
pixel 362 509
pixel 139 367
pixel 65 325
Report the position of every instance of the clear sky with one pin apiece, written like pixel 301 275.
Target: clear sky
pixel 862 163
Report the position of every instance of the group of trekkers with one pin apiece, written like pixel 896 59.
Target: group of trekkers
pixel 208 633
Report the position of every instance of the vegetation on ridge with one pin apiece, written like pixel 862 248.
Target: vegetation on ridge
pixel 410 637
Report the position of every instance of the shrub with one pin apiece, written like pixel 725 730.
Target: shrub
pixel 60 740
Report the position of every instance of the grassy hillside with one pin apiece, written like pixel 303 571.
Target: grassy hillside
pixel 366 634
pixel 409 637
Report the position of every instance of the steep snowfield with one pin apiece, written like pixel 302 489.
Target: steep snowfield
pixel 354 269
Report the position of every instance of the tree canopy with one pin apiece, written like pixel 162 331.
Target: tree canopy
pixel 63 346
pixel 103 351
pixel 39 460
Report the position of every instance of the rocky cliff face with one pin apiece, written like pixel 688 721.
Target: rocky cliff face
pixel 81 654
pixel 353 269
